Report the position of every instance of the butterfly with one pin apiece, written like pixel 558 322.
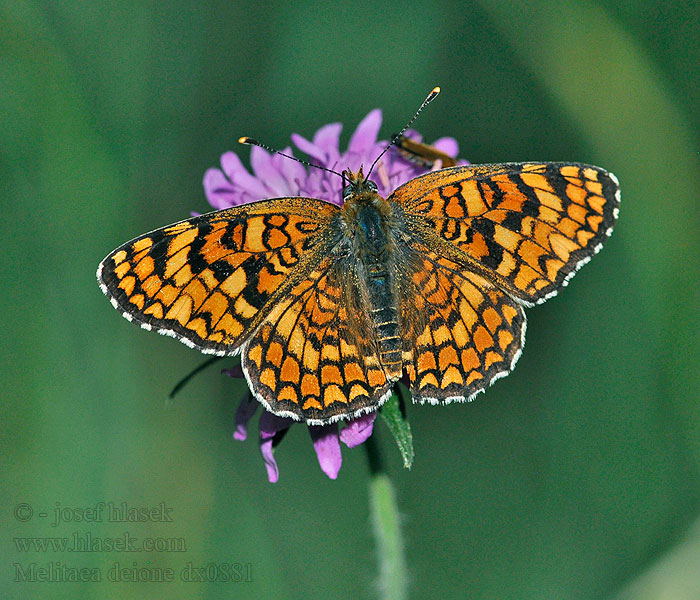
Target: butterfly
pixel 329 306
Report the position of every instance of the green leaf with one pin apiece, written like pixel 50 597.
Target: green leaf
pixel 393 413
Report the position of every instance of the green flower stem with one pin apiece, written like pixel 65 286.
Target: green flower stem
pixel 386 522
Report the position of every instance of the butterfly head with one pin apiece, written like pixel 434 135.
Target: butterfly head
pixel 358 187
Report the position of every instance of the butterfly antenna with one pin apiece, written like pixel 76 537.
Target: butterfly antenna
pixel 186 379
pixel 394 138
pixel 248 141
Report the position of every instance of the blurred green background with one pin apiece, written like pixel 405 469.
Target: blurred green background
pixel 576 477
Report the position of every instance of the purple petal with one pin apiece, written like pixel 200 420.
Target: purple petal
pixel 295 174
pixel 447 145
pixel 239 176
pixel 261 163
pixel 270 425
pixel 321 185
pixel 232 165
pixel 218 190
pixel 309 148
pixel 246 409
pixel 327 139
pixel 365 136
pixel 327 446
pixel 273 473
pixel 359 430
pixel 275 176
pixel 413 135
pixel 404 174
pixel 268 168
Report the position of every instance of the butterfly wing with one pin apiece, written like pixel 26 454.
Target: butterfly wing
pixel 313 358
pixel 461 331
pixel 491 238
pixel 210 280
pixel 528 227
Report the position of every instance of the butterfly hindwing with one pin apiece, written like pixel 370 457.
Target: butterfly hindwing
pixel 313 357
pixel 470 332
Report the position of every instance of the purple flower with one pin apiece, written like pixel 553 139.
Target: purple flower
pixel 326 438
pixel 276 176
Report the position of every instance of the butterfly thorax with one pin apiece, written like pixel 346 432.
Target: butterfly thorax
pixel 367 218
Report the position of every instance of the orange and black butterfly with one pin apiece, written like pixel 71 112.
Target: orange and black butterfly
pixel 329 306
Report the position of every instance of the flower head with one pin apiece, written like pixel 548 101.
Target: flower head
pixel 276 176
pixel 326 438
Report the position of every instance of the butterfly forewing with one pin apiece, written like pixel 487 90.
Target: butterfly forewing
pixel 526 226
pixel 210 280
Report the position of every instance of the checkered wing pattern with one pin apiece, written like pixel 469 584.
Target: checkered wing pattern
pixel 528 227
pixel 461 331
pixel 314 357
pixel 491 239
pixel 210 281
